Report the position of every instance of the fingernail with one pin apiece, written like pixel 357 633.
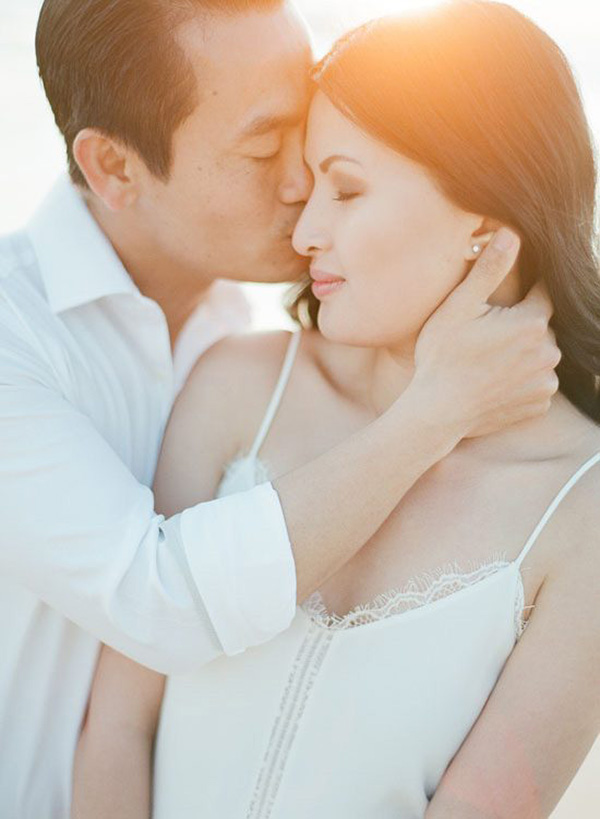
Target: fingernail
pixel 505 239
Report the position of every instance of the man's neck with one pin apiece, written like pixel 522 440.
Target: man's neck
pixel 177 292
pixel 177 296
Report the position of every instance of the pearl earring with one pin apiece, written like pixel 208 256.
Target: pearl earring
pixel 476 249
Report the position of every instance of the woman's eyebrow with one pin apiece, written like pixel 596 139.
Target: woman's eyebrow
pixel 327 163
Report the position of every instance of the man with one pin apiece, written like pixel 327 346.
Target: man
pixel 184 126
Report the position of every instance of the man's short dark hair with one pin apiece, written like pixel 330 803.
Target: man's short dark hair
pixel 115 65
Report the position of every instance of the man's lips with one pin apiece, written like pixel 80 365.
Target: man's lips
pixel 324 283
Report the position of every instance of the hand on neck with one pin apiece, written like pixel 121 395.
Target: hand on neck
pixel 391 368
pixel 391 372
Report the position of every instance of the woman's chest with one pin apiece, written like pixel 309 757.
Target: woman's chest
pixel 460 518
pixel 438 540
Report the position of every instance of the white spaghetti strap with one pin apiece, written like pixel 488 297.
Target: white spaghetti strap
pixel 555 503
pixel 286 370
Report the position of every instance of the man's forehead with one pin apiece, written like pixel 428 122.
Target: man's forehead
pixel 281 102
pixel 253 70
pixel 257 46
pixel 266 116
pixel 276 84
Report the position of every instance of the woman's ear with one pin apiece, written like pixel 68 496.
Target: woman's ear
pixel 480 238
pixel 509 292
pixel 107 166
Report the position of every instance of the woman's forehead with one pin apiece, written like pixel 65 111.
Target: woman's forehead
pixel 329 132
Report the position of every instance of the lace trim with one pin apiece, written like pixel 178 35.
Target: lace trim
pixel 420 591
pixel 520 622
pixel 246 472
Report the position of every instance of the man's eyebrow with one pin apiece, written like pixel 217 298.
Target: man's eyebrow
pixel 264 124
pixel 327 163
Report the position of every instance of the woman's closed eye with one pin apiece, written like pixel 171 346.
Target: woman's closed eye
pixel 345 196
pixel 345 186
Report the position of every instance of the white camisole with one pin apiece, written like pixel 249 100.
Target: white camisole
pixel 352 717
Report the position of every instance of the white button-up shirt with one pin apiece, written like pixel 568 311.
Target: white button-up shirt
pixel 87 381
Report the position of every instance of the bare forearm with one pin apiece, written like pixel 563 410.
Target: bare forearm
pixel 112 776
pixel 475 800
pixel 114 785
pixel 455 808
pixel 350 490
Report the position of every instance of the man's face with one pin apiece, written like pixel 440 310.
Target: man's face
pixel 238 179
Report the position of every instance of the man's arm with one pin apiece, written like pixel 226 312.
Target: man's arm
pixel 82 534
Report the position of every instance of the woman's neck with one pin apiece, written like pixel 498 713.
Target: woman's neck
pixel 386 373
pixel 390 373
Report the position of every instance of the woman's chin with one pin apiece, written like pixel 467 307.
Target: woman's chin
pixel 340 330
pixel 335 330
pixel 343 330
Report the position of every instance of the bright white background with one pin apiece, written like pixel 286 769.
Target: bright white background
pixel 31 156
pixel 31 152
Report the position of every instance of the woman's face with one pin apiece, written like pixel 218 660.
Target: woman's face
pixel 378 225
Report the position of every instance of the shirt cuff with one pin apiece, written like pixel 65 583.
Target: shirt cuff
pixel 242 563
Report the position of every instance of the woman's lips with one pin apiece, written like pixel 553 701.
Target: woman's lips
pixel 325 283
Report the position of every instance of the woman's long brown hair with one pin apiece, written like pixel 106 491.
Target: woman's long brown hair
pixel 479 95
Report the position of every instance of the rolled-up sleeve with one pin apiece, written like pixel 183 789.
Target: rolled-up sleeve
pixel 242 564
pixel 81 533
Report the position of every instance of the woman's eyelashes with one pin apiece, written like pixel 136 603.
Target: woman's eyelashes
pixel 345 186
pixel 343 196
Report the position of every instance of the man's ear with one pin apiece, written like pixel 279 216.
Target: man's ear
pixel 108 167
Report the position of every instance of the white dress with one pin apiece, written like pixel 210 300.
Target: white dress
pixel 353 717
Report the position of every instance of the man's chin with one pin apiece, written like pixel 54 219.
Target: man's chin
pixel 285 270
pixel 295 269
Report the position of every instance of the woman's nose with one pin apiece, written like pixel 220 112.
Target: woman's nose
pixel 308 239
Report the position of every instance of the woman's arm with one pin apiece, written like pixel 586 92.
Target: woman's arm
pixel 113 762
pixel 543 715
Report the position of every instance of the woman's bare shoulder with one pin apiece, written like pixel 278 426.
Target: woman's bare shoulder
pixel 586 495
pixel 577 528
pixel 216 416
pixel 233 380
pixel 253 361
pixel 239 359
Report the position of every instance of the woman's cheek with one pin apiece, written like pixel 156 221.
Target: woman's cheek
pixel 361 237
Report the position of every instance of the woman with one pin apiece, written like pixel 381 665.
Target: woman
pixel 408 686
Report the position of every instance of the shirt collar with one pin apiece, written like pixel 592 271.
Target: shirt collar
pixel 77 262
pixel 78 265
